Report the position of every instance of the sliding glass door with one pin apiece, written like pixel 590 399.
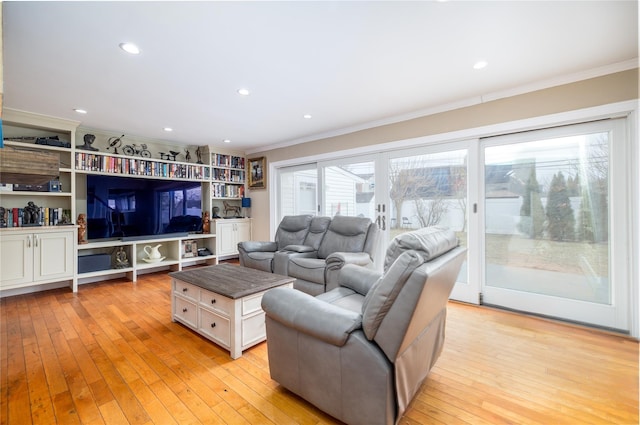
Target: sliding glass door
pixel 552 243
pixel 298 190
pixel 430 187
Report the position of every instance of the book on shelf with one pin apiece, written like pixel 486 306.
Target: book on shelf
pixel 47 217
pixel 139 167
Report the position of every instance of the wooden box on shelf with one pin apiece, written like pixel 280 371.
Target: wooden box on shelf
pixel 43 166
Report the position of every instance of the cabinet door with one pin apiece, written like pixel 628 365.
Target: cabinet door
pixel 226 239
pixel 16 258
pixel 53 255
pixel 243 232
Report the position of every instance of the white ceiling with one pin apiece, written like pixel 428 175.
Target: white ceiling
pixel 348 64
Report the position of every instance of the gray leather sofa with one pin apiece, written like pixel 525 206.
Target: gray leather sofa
pixel 361 351
pixel 348 240
pixel 313 255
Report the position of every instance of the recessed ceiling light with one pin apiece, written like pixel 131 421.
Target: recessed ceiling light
pixel 227 141
pixel 243 92
pixel 168 129
pixel 480 65
pixel 80 111
pixel 307 116
pixel 130 48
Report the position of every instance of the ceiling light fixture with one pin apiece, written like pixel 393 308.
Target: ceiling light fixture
pixel 480 65
pixel 307 116
pixel 80 111
pixel 243 92
pixel 227 141
pixel 168 129
pixel 130 48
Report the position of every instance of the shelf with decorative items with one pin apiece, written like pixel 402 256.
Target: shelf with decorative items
pixel 36 175
pixel 108 259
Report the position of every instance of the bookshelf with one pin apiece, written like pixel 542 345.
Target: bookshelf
pixel 228 176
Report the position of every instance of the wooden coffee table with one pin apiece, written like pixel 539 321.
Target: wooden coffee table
pixel 222 303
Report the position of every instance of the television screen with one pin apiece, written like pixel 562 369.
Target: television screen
pixel 121 207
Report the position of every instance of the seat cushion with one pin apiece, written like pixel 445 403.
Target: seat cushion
pixel 343 297
pixel 311 269
pixel 430 242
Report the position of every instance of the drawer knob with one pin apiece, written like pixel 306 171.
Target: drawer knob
pixel 213 301
pixel 213 325
pixel 184 310
pixel 185 289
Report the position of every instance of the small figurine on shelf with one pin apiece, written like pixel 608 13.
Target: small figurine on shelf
pixel 121 260
pixel 82 229
pixel 199 154
pixel 206 222
pixel 88 141
pixel 187 155
pixel 215 212
pixel 31 214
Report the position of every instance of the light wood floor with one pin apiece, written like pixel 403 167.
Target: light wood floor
pixel 110 354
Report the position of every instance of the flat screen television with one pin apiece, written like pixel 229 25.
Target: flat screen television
pixel 125 207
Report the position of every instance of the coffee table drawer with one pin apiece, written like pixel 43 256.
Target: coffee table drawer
pixel 186 311
pixel 216 301
pixel 216 327
pixel 186 289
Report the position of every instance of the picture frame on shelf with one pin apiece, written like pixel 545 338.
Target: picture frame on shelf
pixel 189 248
pixel 257 173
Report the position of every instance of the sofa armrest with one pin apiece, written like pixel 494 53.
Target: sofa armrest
pixel 358 278
pixel 257 246
pixel 304 313
pixel 339 259
pixel 299 248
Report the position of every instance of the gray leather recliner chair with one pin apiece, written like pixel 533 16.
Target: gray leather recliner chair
pixel 360 352
pixel 292 230
pixel 347 240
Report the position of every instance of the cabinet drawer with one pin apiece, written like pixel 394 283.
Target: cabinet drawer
pixel 186 289
pixel 215 327
pixel 253 330
pixel 185 311
pixel 251 304
pixel 216 302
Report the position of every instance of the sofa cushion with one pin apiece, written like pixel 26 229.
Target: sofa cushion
pixel 345 234
pixel 292 230
pixel 317 229
pixel 310 269
pixel 430 242
pixel 384 292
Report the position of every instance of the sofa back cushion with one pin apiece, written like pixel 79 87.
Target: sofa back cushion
pixel 345 234
pixel 384 292
pixel 292 230
pixel 317 229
